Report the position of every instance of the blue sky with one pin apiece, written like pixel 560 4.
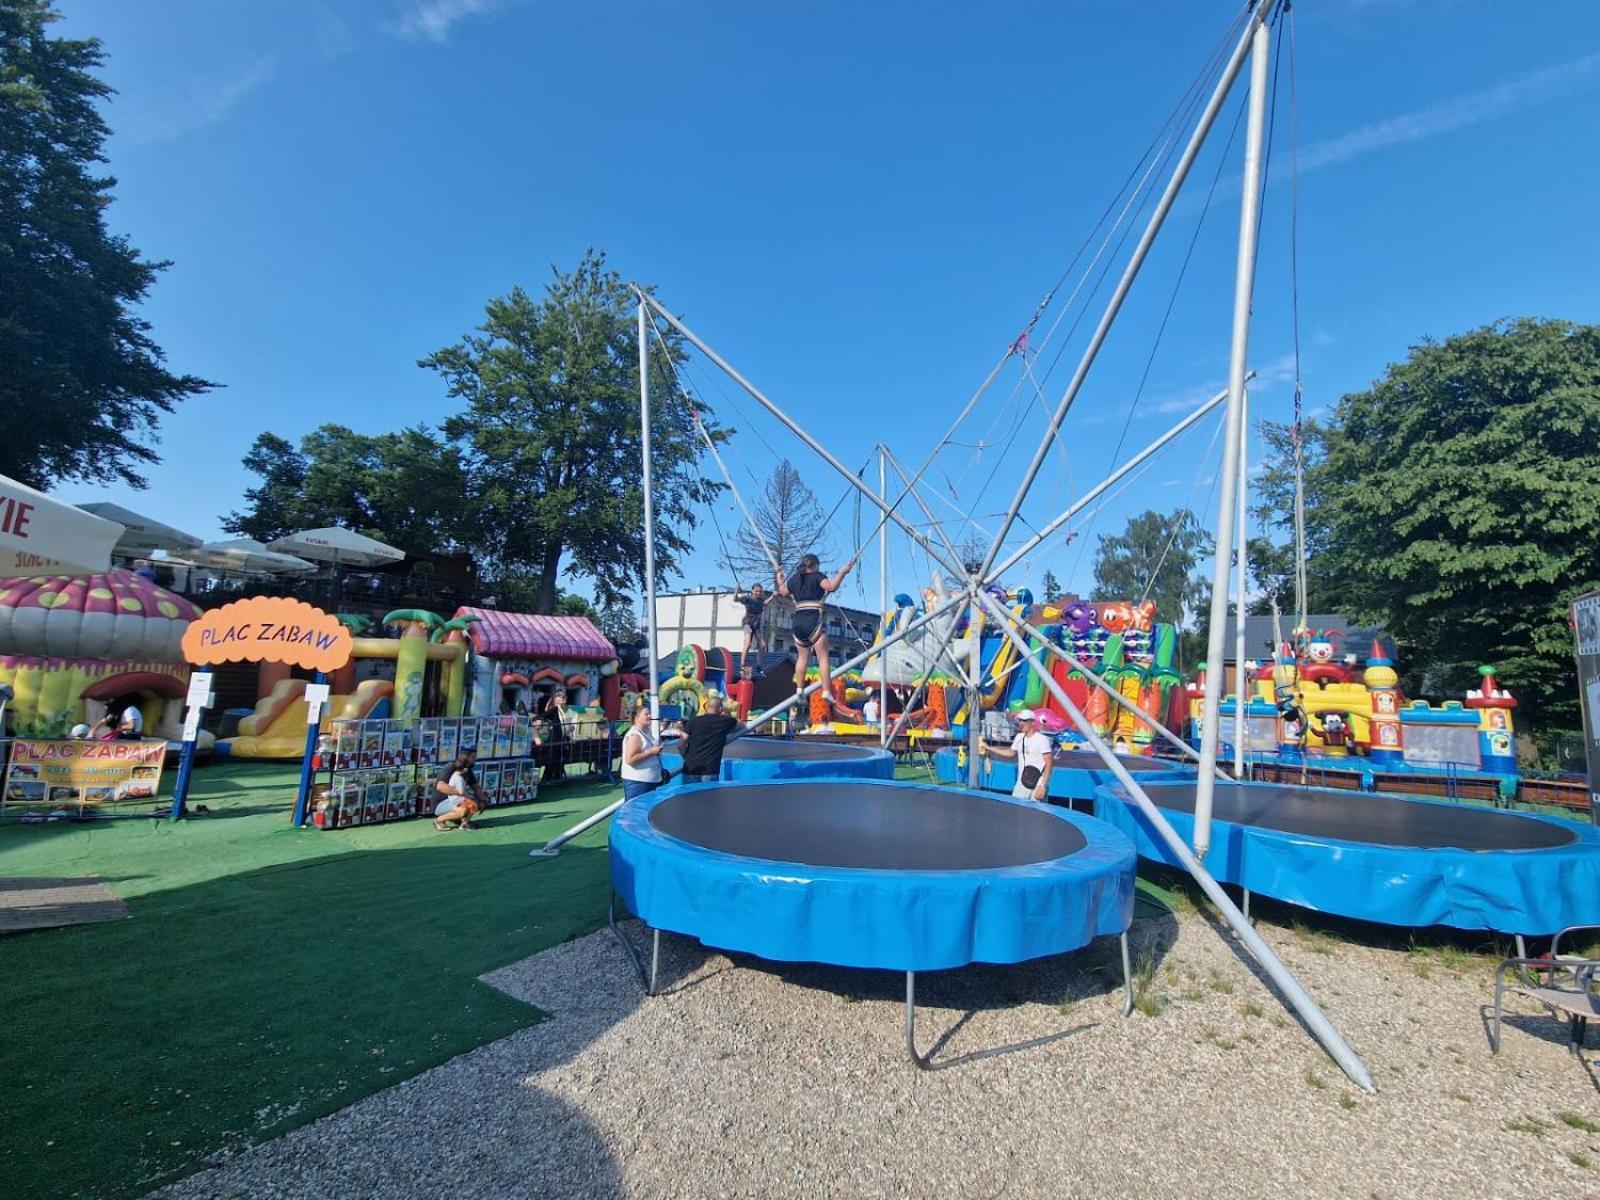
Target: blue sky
pixel 858 205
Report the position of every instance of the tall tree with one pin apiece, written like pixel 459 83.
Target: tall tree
pixel 1050 587
pixel 1454 501
pixel 82 383
pixel 791 521
pixel 551 436
pixel 408 489
pixel 1159 557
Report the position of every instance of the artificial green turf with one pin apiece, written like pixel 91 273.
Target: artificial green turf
pixel 267 975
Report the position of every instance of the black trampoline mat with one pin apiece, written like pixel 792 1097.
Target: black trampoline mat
pixel 1088 760
pixel 1372 818
pixel 796 750
pixel 873 826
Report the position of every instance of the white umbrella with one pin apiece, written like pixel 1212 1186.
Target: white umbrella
pixel 144 534
pixel 340 546
pixel 42 536
pixel 247 554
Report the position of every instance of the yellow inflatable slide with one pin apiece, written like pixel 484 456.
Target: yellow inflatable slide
pixel 277 729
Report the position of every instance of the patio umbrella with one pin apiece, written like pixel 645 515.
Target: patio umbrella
pixel 343 547
pixel 247 554
pixel 144 534
pixel 43 536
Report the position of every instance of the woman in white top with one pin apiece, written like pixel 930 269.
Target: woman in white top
pixel 641 756
pixel 1034 754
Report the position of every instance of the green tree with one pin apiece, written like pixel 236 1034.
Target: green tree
pixel 551 437
pixel 1455 502
pixel 408 489
pixel 1158 557
pixel 1050 587
pixel 82 383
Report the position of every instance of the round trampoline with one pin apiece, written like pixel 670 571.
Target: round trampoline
pixel 1400 860
pixel 757 758
pixel 876 874
pixel 1077 775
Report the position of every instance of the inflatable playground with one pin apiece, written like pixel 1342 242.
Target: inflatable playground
pixel 921 676
pixel 479 662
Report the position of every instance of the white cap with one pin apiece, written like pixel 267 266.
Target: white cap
pixel 1023 714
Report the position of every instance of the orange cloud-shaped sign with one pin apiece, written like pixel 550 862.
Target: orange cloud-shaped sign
pixel 268 629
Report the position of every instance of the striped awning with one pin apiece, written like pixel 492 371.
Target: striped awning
pixel 498 634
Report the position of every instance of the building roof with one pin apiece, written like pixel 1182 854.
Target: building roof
pixel 1260 640
pixel 499 634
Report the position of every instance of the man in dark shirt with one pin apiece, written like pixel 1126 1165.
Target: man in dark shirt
pixel 707 735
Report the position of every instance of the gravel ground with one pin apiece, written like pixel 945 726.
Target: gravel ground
pixel 750 1079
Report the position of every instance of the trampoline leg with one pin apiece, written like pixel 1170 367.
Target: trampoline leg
pixel 1247 904
pixel 1522 952
pixel 1127 977
pixel 649 981
pixel 655 961
pixel 911 1021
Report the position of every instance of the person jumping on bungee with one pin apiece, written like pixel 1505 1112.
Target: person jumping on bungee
pixel 754 601
pixel 807 587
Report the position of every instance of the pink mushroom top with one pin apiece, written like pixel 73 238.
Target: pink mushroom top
pixel 116 615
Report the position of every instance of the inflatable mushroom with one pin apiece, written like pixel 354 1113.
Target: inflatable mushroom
pixel 71 642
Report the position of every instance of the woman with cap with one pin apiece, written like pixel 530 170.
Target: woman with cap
pixel 1034 754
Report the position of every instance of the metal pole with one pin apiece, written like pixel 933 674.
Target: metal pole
pixel 1316 1021
pixel 649 516
pixel 307 774
pixel 1105 485
pixel 1243 286
pixel 756 394
pixel 1242 544
pixel 883 603
pixel 975 688
pixel 551 848
pixel 1256 24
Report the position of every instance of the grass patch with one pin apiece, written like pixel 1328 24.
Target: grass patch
pixel 1066 1004
pixel 1250 1008
pixel 1220 983
pixel 1220 1042
pixel 1145 999
pixel 267 976
pixel 1531 1125
pixel 1347 1101
pixel 1578 1160
pixel 1191 994
pixel 1577 1121
pixel 1314 940
pixel 1315 1080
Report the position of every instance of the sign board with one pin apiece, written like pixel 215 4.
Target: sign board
pixel 199 690
pixel 268 629
pixel 1586 631
pixel 81 773
pixel 316 697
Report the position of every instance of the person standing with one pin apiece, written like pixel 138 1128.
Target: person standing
pixel 869 710
pixel 554 710
pixel 1034 754
pixel 808 587
pixel 707 735
pixel 131 727
pixel 755 603
pixel 641 756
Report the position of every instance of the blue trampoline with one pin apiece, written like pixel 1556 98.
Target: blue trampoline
pixel 1078 773
pixel 752 759
pixel 1397 860
pixel 866 873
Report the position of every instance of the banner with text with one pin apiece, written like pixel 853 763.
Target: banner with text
pixel 82 774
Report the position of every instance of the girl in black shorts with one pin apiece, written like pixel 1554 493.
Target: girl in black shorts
pixel 754 601
pixel 807 587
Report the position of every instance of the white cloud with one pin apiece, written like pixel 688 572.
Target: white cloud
pixel 432 20
pixel 202 102
pixel 1524 91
